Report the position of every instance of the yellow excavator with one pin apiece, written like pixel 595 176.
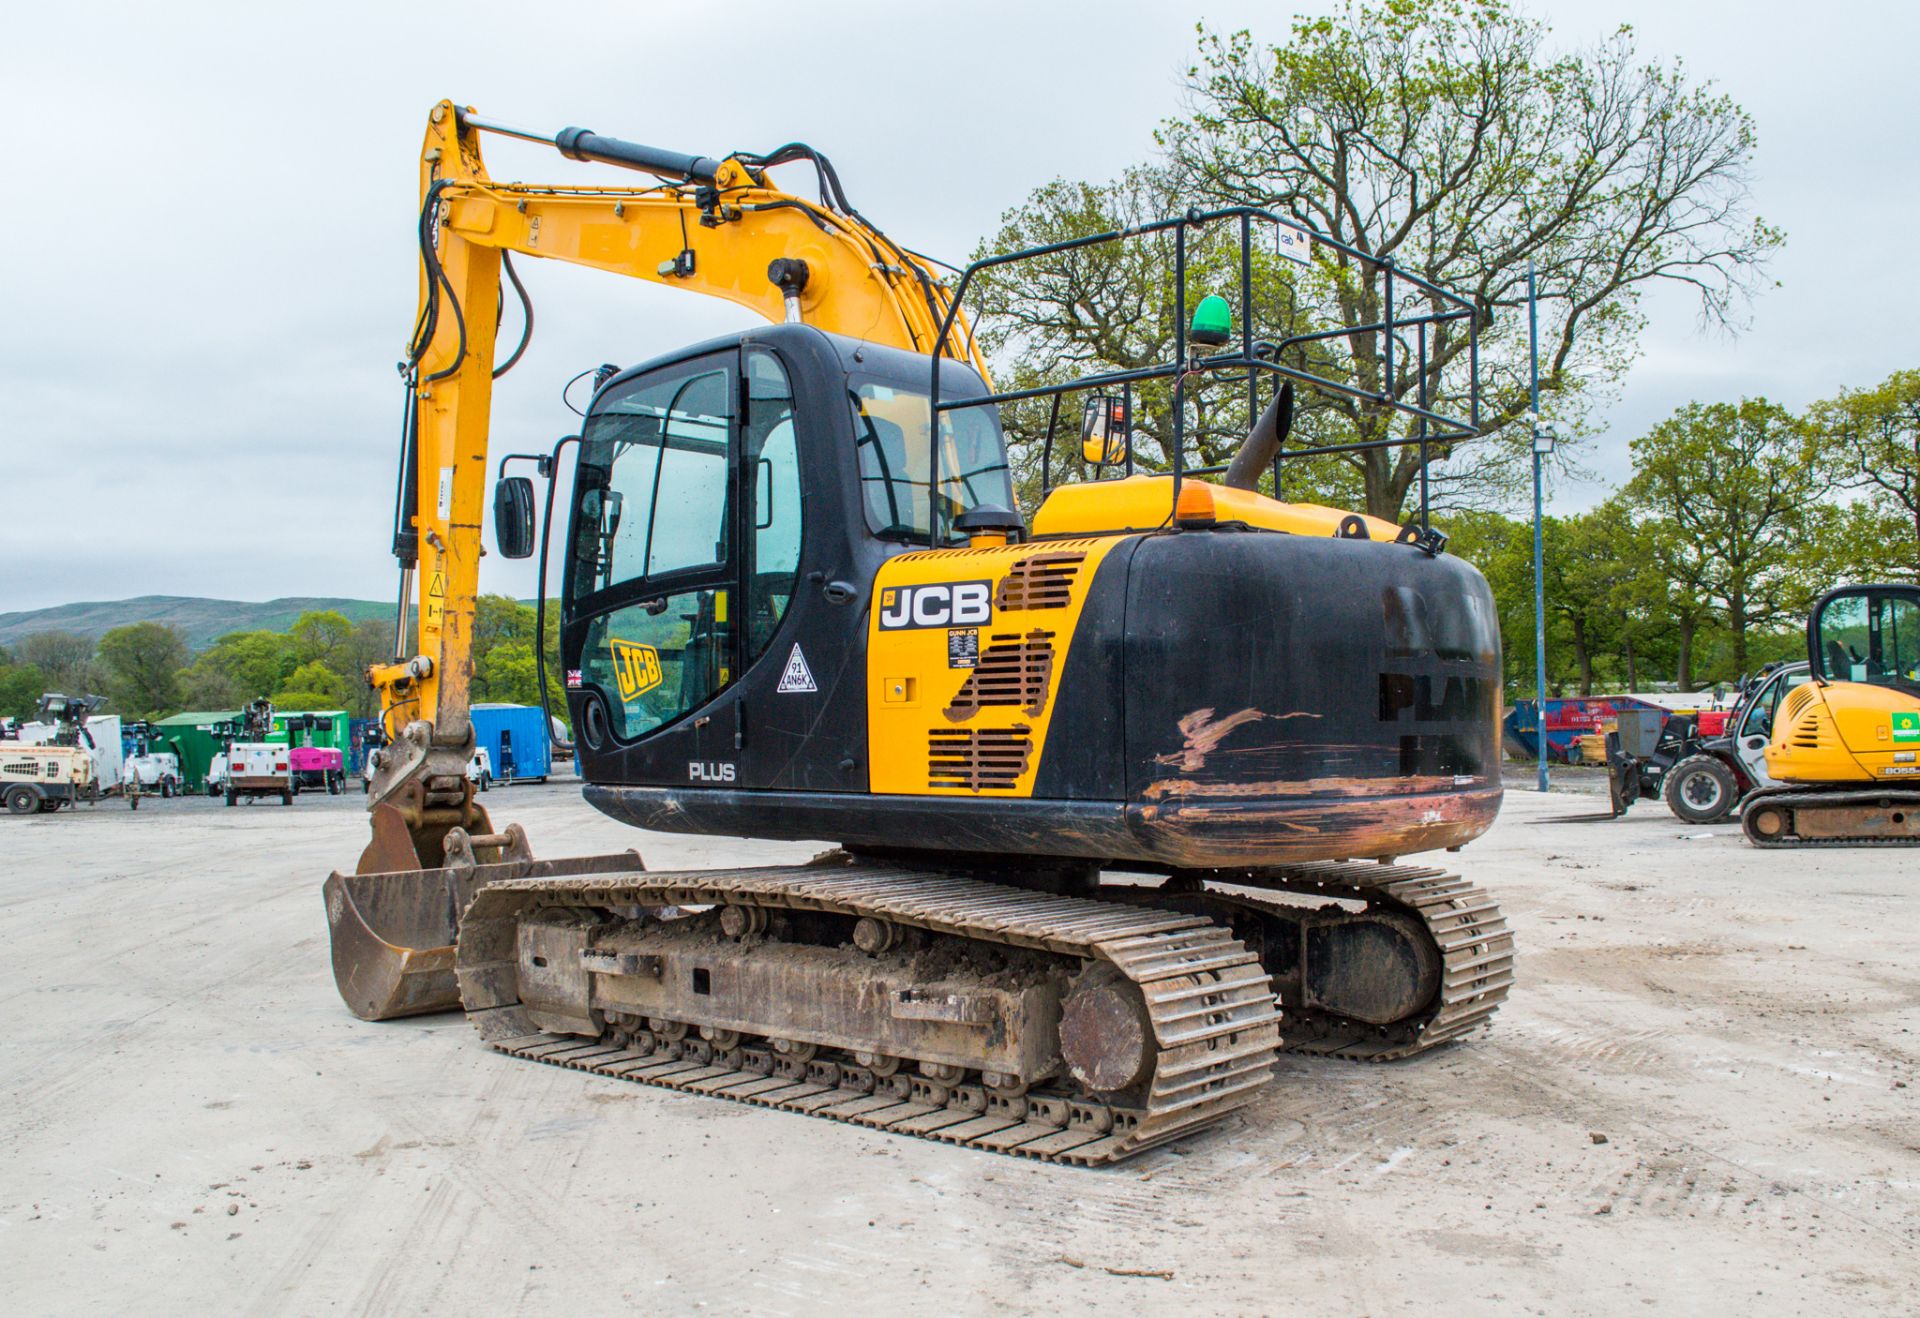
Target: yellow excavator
pixel 1119 790
pixel 1846 746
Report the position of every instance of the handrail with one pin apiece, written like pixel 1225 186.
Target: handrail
pixel 1253 356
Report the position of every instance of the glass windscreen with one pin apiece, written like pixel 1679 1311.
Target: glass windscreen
pixel 891 436
pixel 651 495
pixel 1872 637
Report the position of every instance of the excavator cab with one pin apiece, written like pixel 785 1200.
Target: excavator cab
pixel 731 508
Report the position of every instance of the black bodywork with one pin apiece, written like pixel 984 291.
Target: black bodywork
pixel 1231 696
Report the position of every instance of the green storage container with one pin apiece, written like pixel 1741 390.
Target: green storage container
pixel 190 736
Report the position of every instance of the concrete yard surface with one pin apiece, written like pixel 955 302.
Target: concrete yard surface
pixel 1701 1098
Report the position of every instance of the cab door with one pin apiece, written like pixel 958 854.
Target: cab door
pixel 1756 725
pixel 652 565
pixel 685 541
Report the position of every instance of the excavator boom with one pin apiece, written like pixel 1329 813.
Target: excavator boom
pixel 712 226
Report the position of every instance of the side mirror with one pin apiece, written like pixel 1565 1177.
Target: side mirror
pixel 513 516
pixel 1103 429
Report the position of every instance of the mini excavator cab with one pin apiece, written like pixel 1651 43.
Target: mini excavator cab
pixel 1846 746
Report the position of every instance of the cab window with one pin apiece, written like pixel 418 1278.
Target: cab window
pixel 891 435
pixel 653 538
pixel 1872 637
pixel 772 498
pixel 1759 719
pixel 652 491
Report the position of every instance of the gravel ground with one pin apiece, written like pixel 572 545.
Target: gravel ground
pixel 1700 1098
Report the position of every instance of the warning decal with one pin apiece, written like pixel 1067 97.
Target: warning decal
pixel 797 677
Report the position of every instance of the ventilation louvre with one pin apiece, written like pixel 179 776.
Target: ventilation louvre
pixel 978 759
pixel 1039 581
pixel 1810 733
pixel 1012 671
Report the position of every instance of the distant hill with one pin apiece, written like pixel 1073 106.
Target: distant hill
pixel 202 621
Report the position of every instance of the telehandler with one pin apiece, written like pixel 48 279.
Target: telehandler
pixel 1119 790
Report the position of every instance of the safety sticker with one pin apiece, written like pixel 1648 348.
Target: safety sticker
pixel 1906 726
pixel 963 647
pixel 797 677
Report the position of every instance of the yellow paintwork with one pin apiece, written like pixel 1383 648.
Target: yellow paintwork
pixel 627 231
pixel 910 684
pixel 1842 732
pixel 1142 503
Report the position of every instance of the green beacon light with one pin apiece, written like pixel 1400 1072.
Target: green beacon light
pixel 1212 321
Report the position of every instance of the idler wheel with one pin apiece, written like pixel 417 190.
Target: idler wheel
pixel 1106 1039
pixel 875 936
pixel 743 921
pixel 1769 822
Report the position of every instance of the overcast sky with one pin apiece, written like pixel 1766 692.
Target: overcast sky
pixel 208 262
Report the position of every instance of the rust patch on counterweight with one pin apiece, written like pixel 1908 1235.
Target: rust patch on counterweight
pixel 1339 787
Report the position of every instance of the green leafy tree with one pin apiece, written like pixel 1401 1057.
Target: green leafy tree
pixel 1111 307
pixel 1869 439
pixel 142 663
pixel 370 643
pixel 21 686
pixel 1731 487
pixel 322 636
pixel 503 665
pixel 237 668
pixel 313 685
pixel 1442 137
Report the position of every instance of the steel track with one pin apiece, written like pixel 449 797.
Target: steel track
pixel 1467 928
pixel 1209 1002
pixel 1796 799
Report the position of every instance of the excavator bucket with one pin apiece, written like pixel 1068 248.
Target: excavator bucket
pixel 394 921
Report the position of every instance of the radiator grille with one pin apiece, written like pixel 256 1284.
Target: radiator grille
pixel 1039 581
pixel 979 759
pixel 1012 671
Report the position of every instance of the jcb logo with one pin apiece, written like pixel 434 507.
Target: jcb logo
pixel 636 667
pixel 948 604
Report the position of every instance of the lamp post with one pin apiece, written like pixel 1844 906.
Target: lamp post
pixel 1543 437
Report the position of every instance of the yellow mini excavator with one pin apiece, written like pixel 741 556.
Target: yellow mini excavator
pixel 1118 791
pixel 1846 745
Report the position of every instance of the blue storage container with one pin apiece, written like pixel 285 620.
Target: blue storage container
pixel 515 739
